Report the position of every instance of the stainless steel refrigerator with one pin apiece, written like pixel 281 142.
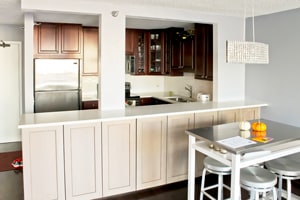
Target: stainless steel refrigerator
pixel 56 85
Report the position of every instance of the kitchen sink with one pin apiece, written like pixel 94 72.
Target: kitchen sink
pixel 180 99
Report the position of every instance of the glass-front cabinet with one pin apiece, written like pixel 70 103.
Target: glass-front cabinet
pixel 140 53
pixel 156 52
pixel 146 50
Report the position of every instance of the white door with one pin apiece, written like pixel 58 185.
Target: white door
pixel 10 87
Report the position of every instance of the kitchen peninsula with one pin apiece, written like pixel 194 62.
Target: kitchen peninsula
pixel 91 154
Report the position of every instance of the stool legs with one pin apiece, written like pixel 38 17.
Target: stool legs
pixel 279 187
pixel 220 186
pixel 289 189
pixel 202 183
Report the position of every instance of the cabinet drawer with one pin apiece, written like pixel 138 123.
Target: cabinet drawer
pixel 89 105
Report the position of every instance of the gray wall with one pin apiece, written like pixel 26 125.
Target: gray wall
pixel 277 83
pixel 11 33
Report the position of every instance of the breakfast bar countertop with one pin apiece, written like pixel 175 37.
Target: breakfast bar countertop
pixel 33 120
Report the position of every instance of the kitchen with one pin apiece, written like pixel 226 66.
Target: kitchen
pixel 228 88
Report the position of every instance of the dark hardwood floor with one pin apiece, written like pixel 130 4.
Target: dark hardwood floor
pixel 178 191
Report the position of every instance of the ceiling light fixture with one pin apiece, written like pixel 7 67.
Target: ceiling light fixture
pixel 247 52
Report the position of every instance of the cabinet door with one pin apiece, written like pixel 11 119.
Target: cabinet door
pixel 83 161
pixel 203 119
pixel 47 37
pixel 177 146
pixel 130 41
pixel 151 152
pixel 188 55
pixel 140 52
pixel 228 116
pixel 206 119
pixel 119 157
pixel 250 114
pixel 43 163
pixel 71 39
pixel 203 51
pixel 90 51
pixel 156 52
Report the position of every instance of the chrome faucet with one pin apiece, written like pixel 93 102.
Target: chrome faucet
pixel 189 88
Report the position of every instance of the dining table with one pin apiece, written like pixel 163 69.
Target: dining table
pixel 238 148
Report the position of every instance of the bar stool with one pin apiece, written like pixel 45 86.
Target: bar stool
pixel 258 180
pixel 215 167
pixel 287 168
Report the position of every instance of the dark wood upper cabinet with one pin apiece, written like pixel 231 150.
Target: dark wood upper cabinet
pixel 204 51
pixel 147 47
pixel 188 55
pixel 130 41
pixel 173 51
pixel 179 51
pixel 57 40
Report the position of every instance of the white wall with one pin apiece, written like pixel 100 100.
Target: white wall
pixel 277 83
pixel 11 33
pixel 112 48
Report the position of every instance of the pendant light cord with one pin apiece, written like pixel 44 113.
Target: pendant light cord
pixel 253 31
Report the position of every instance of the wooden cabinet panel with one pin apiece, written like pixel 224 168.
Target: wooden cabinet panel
pixel 43 163
pixel 188 55
pixel 119 156
pixel 228 116
pixel 83 161
pixel 151 151
pixel 204 51
pixel 58 40
pixel 250 114
pixel 47 39
pixel 130 41
pixel 203 119
pixel 85 105
pixel 177 146
pixel 71 39
pixel 90 51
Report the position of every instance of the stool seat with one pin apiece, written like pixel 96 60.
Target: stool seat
pixel 258 180
pixel 212 164
pixel 258 177
pixel 215 167
pixel 289 166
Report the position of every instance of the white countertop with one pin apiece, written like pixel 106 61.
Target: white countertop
pixel 34 120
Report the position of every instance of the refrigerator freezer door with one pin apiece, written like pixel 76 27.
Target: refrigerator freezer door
pixel 56 74
pixel 57 101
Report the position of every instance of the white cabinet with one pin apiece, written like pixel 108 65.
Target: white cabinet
pixel 119 156
pixel 203 119
pixel 177 146
pixel 228 116
pixel 250 114
pixel 151 151
pixel 43 161
pixel 82 146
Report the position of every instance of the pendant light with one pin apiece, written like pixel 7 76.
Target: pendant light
pixel 247 52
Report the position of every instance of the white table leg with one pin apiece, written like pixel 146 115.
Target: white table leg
pixel 191 169
pixel 235 177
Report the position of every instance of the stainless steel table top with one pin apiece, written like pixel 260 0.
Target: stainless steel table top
pixel 279 132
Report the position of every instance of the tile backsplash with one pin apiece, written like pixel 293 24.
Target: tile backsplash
pixel 174 84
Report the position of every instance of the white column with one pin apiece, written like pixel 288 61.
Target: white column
pixel 28 63
pixel 112 61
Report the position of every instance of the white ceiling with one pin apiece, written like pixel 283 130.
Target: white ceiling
pixel 10 10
